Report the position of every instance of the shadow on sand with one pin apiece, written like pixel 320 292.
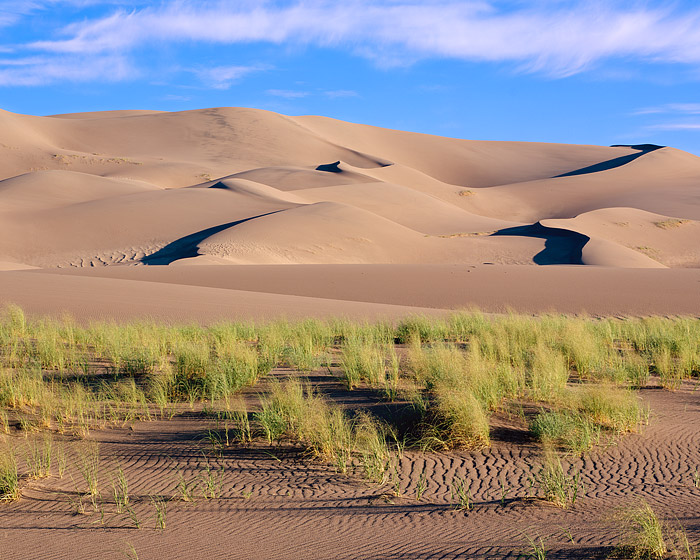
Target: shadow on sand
pixel 186 247
pixel 615 162
pixel 561 246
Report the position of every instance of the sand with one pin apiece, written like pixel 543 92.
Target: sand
pixel 280 505
pixel 234 187
pixel 242 214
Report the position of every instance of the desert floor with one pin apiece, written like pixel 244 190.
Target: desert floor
pixel 242 214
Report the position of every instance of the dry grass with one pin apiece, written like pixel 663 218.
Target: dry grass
pixel 671 223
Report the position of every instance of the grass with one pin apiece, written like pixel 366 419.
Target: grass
pixel 185 488
pixel 445 379
pixel 643 533
pixel 646 535
pixel 363 361
pixel 462 495
pixel 38 457
pixel 9 476
pixel 120 491
pixel 538 550
pixel 160 505
pixel 556 484
pixel 211 482
pixel 89 467
pixel 571 431
pixel 421 486
pixel 671 223
pixel 293 412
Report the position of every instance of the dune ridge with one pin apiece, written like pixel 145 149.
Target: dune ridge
pixel 244 187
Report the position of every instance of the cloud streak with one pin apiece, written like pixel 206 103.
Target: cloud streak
pixel 223 77
pixel 555 38
pixel 43 70
pixel 675 127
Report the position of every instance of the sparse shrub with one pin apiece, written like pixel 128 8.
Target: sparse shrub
pixel 458 420
pixel 362 361
pixel 9 477
pixel 557 485
pixel 39 454
pixel 569 430
pixel 642 532
pixel 462 495
pixel 548 373
pixel 89 466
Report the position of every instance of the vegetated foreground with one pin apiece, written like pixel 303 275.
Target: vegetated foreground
pixel 468 437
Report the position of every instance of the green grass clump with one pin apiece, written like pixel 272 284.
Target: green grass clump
pixel 548 373
pixel 293 412
pixel 236 367
pixel 9 476
pixel 642 532
pixel 617 410
pixel 645 535
pixel 566 429
pixel 421 329
pixel 89 467
pixel 556 484
pixel 457 420
pixel 38 457
pixel 362 361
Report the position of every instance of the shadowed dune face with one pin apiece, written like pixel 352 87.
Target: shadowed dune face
pixel 233 186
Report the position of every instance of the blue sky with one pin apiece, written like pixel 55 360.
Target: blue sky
pixel 587 71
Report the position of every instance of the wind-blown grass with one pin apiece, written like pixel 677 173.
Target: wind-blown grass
pixel 293 412
pixel 456 372
pixel 9 476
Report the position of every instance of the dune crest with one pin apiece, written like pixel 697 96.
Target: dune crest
pixel 224 187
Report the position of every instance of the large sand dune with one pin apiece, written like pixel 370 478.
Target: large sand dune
pixel 229 188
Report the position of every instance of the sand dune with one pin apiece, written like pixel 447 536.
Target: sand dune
pixel 240 214
pixel 666 181
pixel 292 178
pixel 663 239
pixel 406 206
pixel 463 162
pixel 41 190
pixel 242 187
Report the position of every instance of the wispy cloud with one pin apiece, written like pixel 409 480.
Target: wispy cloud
pixel 180 98
pixel 340 93
pixel 42 70
pixel 671 108
pixel 287 93
pixel 558 38
pixel 679 126
pixel 223 77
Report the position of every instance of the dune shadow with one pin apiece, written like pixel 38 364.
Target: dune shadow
pixel 562 246
pixel 187 247
pixel 330 167
pixel 615 162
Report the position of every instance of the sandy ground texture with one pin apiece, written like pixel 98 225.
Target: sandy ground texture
pixel 274 503
pixel 232 213
pixel 229 191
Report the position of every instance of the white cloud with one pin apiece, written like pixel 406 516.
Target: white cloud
pixel 287 93
pixel 556 37
pixel 338 93
pixel 181 98
pixel 677 108
pixel 670 127
pixel 42 70
pixel 223 77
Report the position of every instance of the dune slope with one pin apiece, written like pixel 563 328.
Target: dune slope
pixel 236 187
